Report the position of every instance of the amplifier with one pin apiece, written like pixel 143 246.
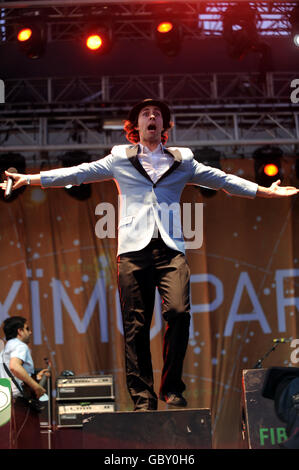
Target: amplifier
pixel 72 415
pixel 96 387
pixel 262 427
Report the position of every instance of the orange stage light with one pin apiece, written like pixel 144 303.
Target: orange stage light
pixel 164 27
pixel 271 169
pixel 94 42
pixel 24 34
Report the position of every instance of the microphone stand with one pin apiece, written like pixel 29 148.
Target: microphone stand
pixel 258 365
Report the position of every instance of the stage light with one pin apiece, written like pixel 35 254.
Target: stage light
pixel 271 169
pixel 210 157
pixel 12 160
pixel 94 42
pixel 168 38
pixel 98 40
pixel 267 165
pixel 32 40
pixel 74 158
pixel 164 27
pixel 24 34
pixel 294 21
pixel 239 30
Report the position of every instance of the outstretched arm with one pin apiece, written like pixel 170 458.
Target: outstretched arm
pixel 99 170
pixel 217 179
pixel 21 180
pixel 275 190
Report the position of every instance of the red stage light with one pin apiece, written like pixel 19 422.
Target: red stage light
pixel 165 27
pixel 168 37
pixel 267 165
pixel 94 42
pixel 24 34
pixel 32 39
pixel 271 169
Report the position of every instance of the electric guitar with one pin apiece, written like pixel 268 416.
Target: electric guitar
pixel 37 403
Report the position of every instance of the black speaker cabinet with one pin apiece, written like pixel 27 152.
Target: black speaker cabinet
pixel 72 414
pixel 262 429
pixel 175 429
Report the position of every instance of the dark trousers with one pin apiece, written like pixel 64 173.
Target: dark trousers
pixel 26 426
pixel 139 273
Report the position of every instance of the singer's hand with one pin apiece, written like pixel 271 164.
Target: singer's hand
pixel 18 180
pixel 275 190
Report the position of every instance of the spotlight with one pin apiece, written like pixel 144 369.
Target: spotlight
pixel 74 158
pixel 211 157
pixel 239 30
pixel 98 39
pixel 267 164
pixel 168 37
pixel 294 20
pixel 24 34
pixel 12 160
pixel 271 169
pixel 94 42
pixel 164 27
pixel 32 40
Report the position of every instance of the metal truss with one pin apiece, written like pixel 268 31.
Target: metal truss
pixel 66 20
pixel 234 112
pixel 113 95
pixel 234 134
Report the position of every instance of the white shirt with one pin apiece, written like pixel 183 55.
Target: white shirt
pixel 16 348
pixel 156 162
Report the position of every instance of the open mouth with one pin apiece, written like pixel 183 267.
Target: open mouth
pixel 151 127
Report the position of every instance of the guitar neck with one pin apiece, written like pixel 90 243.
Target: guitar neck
pixel 43 381
pixel 44 378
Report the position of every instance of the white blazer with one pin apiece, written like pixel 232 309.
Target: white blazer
pixel 144 204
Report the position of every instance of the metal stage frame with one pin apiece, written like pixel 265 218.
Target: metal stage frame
pixel 134 19
pixel 234 112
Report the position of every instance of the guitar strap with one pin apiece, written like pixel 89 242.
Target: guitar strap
pixel 12 378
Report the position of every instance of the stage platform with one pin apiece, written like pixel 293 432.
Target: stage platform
pixel 175 429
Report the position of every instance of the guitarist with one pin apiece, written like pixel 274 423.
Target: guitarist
pixel 17 358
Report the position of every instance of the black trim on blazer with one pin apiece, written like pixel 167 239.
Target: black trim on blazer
pixel 132 154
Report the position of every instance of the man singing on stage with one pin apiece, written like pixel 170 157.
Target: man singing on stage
pixel 151 254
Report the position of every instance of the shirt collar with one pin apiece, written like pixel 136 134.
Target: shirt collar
pixel 146 151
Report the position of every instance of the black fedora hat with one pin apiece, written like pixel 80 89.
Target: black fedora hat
pixel 134 113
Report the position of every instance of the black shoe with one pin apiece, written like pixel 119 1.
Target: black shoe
pixel 173 398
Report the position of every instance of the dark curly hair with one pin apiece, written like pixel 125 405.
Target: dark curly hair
pixel 132 134
pixel 11 326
